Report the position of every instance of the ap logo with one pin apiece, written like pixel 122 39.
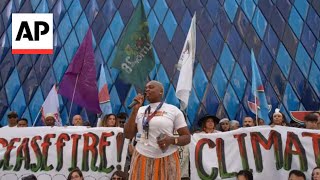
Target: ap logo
pixel 32 33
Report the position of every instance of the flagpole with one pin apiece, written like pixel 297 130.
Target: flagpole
pixel 74 91
pixel 255 102
pixel 36 119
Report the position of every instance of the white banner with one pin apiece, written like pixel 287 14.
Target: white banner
pixel 271 153
pixel 52 152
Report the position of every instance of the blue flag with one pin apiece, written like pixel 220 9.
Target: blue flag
pixel 260 107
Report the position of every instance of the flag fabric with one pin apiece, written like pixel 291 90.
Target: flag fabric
pixel 104 97
pixel 185 66
pixel 257 90
pixel 51 105
pixel 134 57
pixel 79 82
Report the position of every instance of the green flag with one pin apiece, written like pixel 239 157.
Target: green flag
pixel 134 56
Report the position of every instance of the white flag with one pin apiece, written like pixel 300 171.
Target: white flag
pixel 185 66
pixel 51 105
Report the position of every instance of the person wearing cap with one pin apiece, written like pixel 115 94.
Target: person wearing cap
pixel 77 120
pixel 311 121
pixel 224 125
pixel 248 122
pixel 23 122
pixel 234 124
pixel 208 124
pixel 12 119
pixel 49 119
pixel 278 118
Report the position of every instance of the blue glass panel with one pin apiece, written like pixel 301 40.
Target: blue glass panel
pixel 4 120
pixel 12 85
pixel 154 71
pixel 113 71
pixel 106 45
pixel 35 104
pixel 163 78
pixel 252 40
pixel 146 6
pixel 295 22
pixel 207 60
pixel 199 81
pixel 6 66
pixel 153 25
pixel 316 5
pixel 244 61
pixel 135 2
pixel 26 115
pixel 317 55
pixel 26 7
pixel 219 81
pixel 161 43
pixel 297 80
pixel 238 81
pixel 34 4
pixel 116 26
pixel 67 4
pixel 178 7
pixel 290 99
pixel 223 24
pixel 284 61
pixel 248 7
pixel 210 100
pixel 266 7
pixel 131 94
pixel 231 102
pixel 48 82
pixel 114 99
pixel 60 66
pixel 241 22
pixel 193 106
pixel 234 42
pixel 200 41
pixel 170 25
pixel 64 28
pixel 126 9
pixel 309 41
pixel 227 61
pixel 99 27
pixel 24 67
pixel 277 22
pixel 42 7
pixel 313 20
pixel 314 79
pixel 271 96
pixel 185 22
pixel 309 98
pixel 290 41
pixel 160 9
pixel 284 6
pixel 271 41
pixel 231 9
pixel 75 11
pixel 71 46
pixel 277 80
pixel 171 97
pixel 216 42
pixel 30 85
pixel 82 27
pixel 91 10
pixel 213 8
pixel 221 112
pixel 58 12
pixel 19 103
pixel 265 61
pixel 302 7
pixel 122 89
pixel 303 60
pixel 205 23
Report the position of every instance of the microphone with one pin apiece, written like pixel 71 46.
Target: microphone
pixel 134 102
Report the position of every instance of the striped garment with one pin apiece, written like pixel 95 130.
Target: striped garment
pixel 144 168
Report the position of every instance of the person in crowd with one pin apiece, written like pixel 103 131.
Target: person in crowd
pixel 311 121
pixel 23 122
pixel 234 124
pixel 208 124
pixel 315 173
pixel 156 153
pixel 318 114
pixel 244 175
pixel 121 118
pixel 248 122
pixel 30 177
pixel 12 119
pixel 296 175
pixel 119 175
pixel 109 120
pixel 224 125
pixel 261 122
pixel 278 118
pixel 86 123
pixel 50 119
pixel 77 120
pixel 293 123
pixel 75 174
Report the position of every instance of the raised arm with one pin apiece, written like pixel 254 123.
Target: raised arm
pixel 130 128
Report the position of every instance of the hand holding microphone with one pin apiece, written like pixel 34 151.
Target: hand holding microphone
pixel 137 100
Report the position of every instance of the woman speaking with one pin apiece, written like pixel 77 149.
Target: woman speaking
pixel 156 153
